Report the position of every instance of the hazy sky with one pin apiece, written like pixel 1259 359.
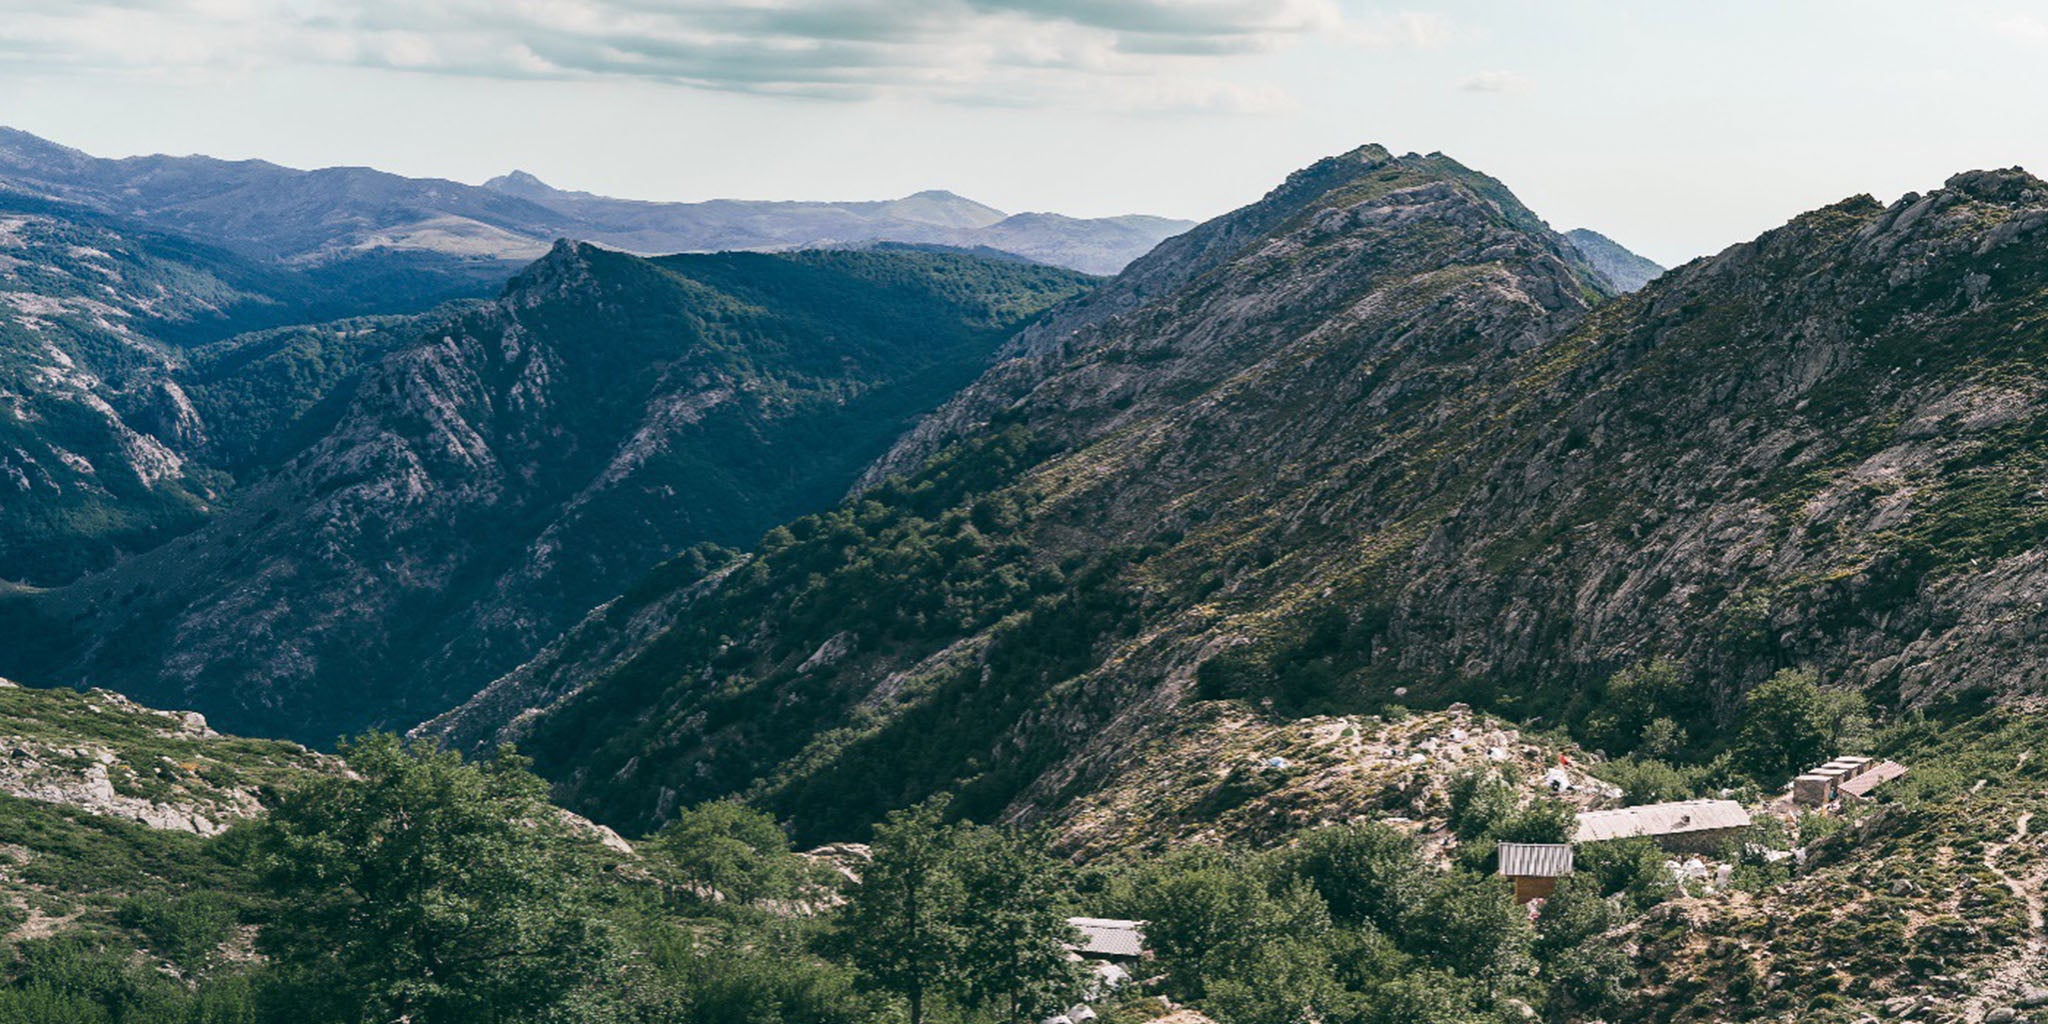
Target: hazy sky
pixel 1676 127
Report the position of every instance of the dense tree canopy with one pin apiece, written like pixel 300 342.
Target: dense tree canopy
pixel 427 890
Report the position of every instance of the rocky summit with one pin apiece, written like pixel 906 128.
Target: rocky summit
pixel 1626 270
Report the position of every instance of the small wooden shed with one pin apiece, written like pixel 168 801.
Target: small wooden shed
pixel 1534 867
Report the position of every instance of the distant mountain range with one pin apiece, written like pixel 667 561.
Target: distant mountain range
pixel 1625 269
pixel 471 234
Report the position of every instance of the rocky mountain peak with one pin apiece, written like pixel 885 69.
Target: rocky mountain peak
pixel 565 267
pixel 520 183
pixel 2009 185
pixel 1627 271
pixel 1324 236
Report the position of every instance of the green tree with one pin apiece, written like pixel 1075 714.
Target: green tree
pixel 1364 873
pixel 753 977
pixel 1421 997
pixel 423 889
pixel 731 849
pixel 1480 801
pixel 1788 725
pixel 1014 936
pixel 1287 981
pixel 1583 971
pixel 1632 868
pixel 1646 780
pixel 1208 913
pixel 1645 707
pixel 898 926
pixel 1542 820
pixel 1845 719
pixel 1663 737
pixel 1475 929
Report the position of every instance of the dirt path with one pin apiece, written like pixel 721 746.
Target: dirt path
pixel 2001 986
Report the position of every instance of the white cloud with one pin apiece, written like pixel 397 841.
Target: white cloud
pixel 1406 29
pixel 1123 54
pixel 2021 26
pixel 1494 81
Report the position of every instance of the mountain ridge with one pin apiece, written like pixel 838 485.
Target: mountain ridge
pixel 469 237
pixel 1628 271
pixel 1385 238
pixel 498 469
pixel 1444 474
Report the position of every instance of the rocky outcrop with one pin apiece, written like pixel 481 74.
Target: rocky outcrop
pixel 104 754
pixel 1230 776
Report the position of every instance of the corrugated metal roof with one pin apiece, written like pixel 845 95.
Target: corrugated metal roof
pixel 1874 776
pixel 1102 936
pixel 1660 820
pixel 1538 860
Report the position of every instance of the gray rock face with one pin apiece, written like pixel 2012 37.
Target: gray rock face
pixel 104 754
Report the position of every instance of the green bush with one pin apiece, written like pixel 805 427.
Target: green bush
pixel 187 929
pixel 1631 868
pixel 1646 780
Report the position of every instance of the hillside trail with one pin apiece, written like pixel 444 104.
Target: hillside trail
pixel 2001 986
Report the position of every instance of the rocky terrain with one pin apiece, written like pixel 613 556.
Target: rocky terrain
pixel 1320 508
pixel 1187 394
pixel 102 446
pixel 1379 432
pixel 420 504
pixel 105 804
pixel 1229 776
pixel 101 753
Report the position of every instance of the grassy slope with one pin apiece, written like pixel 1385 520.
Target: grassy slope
pixel 1932 890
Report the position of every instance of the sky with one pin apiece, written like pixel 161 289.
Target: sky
pixel 1678 128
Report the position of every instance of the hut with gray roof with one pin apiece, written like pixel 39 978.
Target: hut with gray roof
pixel 1534 867
pixel 1685 826
pixel 1108 939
